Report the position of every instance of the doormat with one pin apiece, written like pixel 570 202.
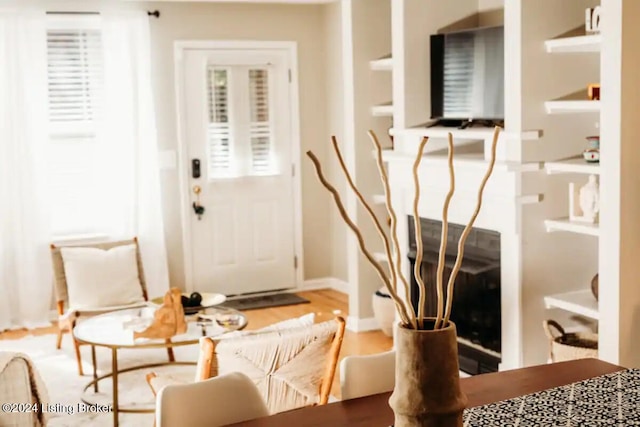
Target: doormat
pixel 264 301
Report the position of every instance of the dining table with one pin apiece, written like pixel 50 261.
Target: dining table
pixel 374 410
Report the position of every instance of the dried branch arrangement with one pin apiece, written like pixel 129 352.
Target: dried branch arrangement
pixel 394 278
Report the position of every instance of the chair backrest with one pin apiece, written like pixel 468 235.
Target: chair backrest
pixel 367 375
pixel 60 278
pixel 292 368
pixel 219 401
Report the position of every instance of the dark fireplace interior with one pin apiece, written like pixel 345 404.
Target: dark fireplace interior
pixel 476 298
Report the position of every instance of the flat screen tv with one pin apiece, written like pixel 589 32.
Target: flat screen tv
pixel 467 75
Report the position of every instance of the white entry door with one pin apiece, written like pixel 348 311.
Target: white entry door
pixel 239 159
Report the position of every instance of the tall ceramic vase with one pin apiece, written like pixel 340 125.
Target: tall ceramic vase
pixel 427 391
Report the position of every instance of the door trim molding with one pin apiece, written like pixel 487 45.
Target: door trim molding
pixel 291 48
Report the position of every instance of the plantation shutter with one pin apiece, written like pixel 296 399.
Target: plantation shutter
pixel 459 53
pixel 219 137
pixel 240 122
pixel 261 132
pixel 75 84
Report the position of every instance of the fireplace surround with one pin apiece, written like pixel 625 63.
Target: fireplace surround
pixel 476 306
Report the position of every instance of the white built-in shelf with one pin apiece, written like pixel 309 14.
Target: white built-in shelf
pixel 382 110
pixel 565 224
pixel 379 199
pixel 472 133
pixel 467 159
pixel 586 43
pixel 572 106
pixel 382 64
pixel 380 256
pixel 573 165
pixel 578 302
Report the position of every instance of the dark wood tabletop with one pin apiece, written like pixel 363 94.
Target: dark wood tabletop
pixel 374 411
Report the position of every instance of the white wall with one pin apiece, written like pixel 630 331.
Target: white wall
pixel 484 5
pixel 335 126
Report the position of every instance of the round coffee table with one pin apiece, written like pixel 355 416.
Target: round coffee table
pixel 115 331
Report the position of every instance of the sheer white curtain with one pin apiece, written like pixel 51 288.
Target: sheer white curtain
pixel 129 141
pixel 25 269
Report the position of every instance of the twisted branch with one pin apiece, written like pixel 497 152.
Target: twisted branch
pixel 336 197
pixel 417 268
pixel 444 234
pixel 374 218
pixel 467 229
pixel 394 229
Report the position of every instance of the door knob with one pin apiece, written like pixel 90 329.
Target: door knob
pixel 197 207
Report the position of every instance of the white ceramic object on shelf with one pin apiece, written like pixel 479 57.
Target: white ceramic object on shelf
pixel 584 205
pixel 384 311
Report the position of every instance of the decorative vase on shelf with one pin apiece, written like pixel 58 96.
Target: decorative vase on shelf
pixel 427 391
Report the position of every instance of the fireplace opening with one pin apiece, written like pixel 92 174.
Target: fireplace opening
pixel 476 298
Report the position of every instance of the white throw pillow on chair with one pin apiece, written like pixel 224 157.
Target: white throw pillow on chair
pixel 102 278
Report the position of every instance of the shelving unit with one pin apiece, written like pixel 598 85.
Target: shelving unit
pixel 578 44
pixel 573 165
pixel 579 302
pixel 379 199
pixel 565 224
pixel 382 110
pixel 468 159
pixel 380 256
pixel 475 133
pixel 572 106
pixel 382 64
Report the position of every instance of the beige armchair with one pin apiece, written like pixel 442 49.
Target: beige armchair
pixel 291 367
pixel 68 313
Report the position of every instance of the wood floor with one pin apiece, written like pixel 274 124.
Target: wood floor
pixel 325 303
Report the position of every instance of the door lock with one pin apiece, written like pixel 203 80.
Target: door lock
pixel 195 168
pixel 197 207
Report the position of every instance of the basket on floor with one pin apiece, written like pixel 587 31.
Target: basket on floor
pixel 569 346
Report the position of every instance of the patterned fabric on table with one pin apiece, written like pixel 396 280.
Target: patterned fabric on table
pixel 608 400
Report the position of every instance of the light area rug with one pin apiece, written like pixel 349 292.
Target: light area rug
pixel 65 387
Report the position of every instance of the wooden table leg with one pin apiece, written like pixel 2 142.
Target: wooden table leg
pixel 172 358
pixel 114 377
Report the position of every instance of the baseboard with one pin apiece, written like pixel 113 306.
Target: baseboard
pixel 362 325
pixel 325 283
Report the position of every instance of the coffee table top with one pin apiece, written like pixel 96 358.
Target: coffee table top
pixel 116 329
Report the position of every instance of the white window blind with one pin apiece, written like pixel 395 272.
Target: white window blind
pixel 240 123
pixel 219 138
pixel 458 75
pixel 261 126
pixel 75 83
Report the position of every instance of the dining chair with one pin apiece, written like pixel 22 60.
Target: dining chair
pixel 219 401
pixel 368 374
pixel 292 367
pixel 94 299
